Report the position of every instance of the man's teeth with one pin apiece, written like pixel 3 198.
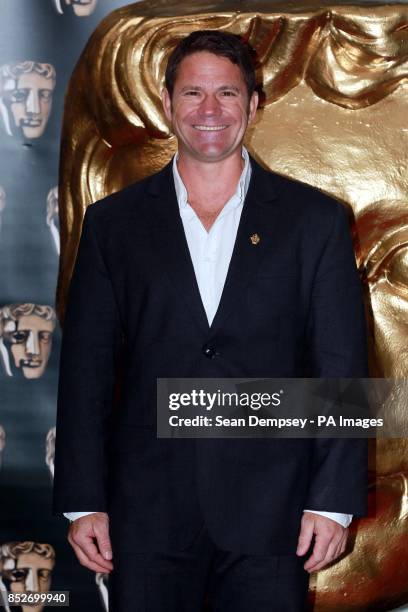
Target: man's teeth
pixel 210 128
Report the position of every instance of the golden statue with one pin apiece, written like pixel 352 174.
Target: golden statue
pixel 333 115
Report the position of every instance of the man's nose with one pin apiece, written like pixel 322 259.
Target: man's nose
pixel 210 106
pixel 32 581
pixel 33 103
pixel 33 345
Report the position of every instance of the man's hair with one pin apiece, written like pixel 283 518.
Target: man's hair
pixel 223 44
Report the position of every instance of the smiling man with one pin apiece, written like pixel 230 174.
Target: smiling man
pixel 170 282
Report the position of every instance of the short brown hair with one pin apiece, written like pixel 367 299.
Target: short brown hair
pixel 223 44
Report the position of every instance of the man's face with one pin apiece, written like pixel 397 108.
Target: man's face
pixel 82 8
pixel 30 103
pixel 209 110
pixel 30 340
pixel 31 572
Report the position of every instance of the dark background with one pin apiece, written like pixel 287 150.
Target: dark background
pixel 33 30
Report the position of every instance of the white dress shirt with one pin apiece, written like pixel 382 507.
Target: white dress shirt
pixel 211 255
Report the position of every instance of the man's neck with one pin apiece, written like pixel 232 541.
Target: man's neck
pixel 210 185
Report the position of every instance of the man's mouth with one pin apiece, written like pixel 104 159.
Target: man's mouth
pixel 210 128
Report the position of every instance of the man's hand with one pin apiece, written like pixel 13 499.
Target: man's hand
pixel 330 540
pixel 89 537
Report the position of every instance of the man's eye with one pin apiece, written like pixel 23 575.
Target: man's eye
pixel 19 95
pixel 191 93
pixel 228 93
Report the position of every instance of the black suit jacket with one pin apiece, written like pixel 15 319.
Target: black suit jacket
pixel 291 307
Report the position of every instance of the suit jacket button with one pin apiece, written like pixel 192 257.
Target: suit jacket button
pixel 209 351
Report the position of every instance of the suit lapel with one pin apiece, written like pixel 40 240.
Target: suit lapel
pixel 171 245
pixel 256 229
pixel 258 219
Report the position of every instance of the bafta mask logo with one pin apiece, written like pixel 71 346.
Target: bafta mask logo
pixel 26 338
pixel 50 451
pixel 2 203
pixel 52 217
pixel 26 567
pixel 26 91
pixel 81 8
pixel 2 442
pixel 102 584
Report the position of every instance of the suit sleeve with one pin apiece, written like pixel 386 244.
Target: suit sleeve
pixel 337 348
pixel 91 340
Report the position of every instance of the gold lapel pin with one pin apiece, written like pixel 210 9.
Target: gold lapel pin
pixel 255 239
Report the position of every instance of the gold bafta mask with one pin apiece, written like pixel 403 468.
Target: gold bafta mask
pixel 332 115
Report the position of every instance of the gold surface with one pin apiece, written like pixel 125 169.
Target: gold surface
pixel 334 115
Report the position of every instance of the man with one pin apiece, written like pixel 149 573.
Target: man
pixel 26 91
pixel 170 280
pixel 26 567
pixel 26 338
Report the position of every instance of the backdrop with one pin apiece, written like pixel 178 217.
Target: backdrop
pixel 41 41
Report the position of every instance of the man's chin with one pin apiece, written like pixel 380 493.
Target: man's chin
pixel 213 154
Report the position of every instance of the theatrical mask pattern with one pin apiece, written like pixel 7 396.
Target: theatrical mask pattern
pixel 101 580
pixel 26 338
pixel 2 443
pixel 53 218
pixel 80 8
pixel 26 91
pixel 25 567
pixel 2 204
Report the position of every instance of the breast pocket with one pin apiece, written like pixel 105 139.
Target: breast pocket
pixel 275 291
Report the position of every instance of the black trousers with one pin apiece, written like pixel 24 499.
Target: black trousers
pixel 229 582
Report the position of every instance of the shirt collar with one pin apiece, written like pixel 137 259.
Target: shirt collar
pixel 236 200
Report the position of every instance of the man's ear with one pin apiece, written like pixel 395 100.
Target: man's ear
pixel 253 105
pixel 166 101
